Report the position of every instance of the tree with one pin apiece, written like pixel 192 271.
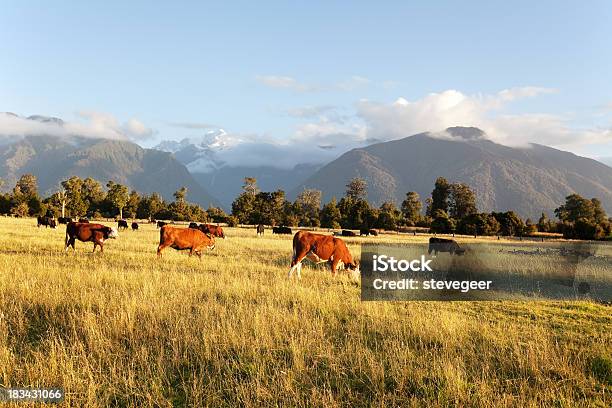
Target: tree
pixel 330 215
pixel 242 207
pixel 440 195
pixel 357 189
pixel 132 204
pixel 267 208
pixel 462 201
pixel 216 214
pixel 582 218
pixel 21 210
pixel 478 224
pixel 117 195
pixel 26 187
pixel 543 223
pixel 388 216
pixel 599 215
pixel 149 206
pixel 575 208
pixel 73 200
pixel 308 204
pixel 250 186
pixel 180 195
pixel 442 223
pixel 92 194
pixel 510 223
pixel 411 207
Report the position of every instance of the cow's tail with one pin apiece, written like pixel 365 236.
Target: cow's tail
pixel 161 234
pixel 296 240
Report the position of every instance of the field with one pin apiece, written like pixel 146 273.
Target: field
pixel 126 329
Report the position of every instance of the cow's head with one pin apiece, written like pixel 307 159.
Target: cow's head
pixel 110 233
pixel 220 233
pixel 354 268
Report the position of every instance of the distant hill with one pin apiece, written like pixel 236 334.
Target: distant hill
pixel 53 159
pixel 528 180
pixel 606 160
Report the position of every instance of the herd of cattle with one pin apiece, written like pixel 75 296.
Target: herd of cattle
pixel 317 248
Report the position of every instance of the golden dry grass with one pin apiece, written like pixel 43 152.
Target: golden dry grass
pixel 127 329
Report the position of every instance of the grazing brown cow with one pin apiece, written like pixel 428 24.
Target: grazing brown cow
pixel 321 248
pixel 214 230
pixel 184 238
pixel 87 232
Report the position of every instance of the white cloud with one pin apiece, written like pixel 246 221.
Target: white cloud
pixel 95 125
pixel 438 111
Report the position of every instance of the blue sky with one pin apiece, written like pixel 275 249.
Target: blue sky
pixel 278 72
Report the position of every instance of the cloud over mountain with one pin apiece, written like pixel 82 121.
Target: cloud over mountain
pixel 93 124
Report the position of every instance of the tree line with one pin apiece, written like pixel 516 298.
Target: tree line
pixel 451 208
pixel 77 197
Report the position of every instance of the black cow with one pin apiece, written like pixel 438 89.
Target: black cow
pixel 134 226
pixel 194 225
pixel 48 222
pixel 366 232
pixel 260 229
pixel 122 224
pixel 444 245
pixel 161 224
pixel 281 230
pixel 347 233
pixel 64 220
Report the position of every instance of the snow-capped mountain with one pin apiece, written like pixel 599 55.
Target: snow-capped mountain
pixel 200 154
pixel 220 161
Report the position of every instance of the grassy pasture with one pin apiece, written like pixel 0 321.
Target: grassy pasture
pixel 127 329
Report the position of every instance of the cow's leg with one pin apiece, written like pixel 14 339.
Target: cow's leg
pixel 160 248
pixel 296 261
pixel 334 266
pixel 71 243
pixel 299 271
pixel 95 244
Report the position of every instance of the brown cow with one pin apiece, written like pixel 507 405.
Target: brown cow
pixel 214 230
pixel 87 232
pixel 321 248
pixel 184 238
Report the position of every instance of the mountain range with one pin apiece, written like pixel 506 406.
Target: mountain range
pixel 528 179
pixel 202 157
pixel 53 159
